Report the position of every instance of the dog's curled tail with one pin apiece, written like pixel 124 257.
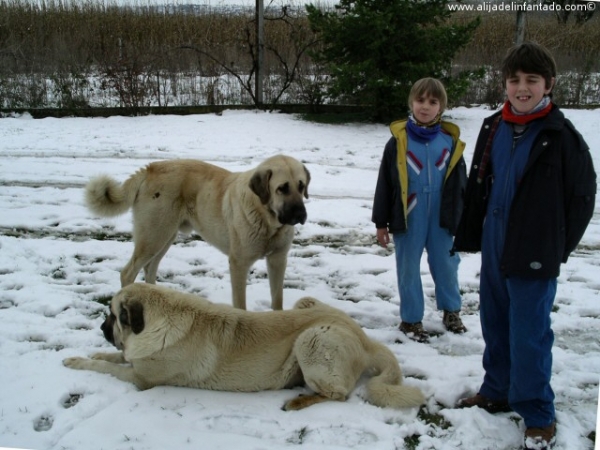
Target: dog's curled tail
pixel 385 388
pixel 105 197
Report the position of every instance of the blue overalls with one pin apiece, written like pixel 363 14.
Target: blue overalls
pixel 427 164
pixel 515 311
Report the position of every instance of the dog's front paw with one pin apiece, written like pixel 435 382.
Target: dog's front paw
pixel 75 363
pixel 117 358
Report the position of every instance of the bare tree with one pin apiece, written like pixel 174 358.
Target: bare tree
pixel 282 57
pixel 567 8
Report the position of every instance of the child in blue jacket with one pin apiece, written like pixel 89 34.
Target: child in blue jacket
pixel 530 196
pixel 418 199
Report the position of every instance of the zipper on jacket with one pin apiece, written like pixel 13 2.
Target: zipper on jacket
pixel 428 179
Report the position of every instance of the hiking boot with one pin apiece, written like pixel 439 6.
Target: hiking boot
pixel 453 323
pixel 491 406
pixel 415 331
pixel 540 438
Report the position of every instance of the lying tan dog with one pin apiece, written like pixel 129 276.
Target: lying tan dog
pixel 246 215
pixel 172 338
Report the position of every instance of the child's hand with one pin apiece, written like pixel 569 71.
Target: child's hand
pixel 383 237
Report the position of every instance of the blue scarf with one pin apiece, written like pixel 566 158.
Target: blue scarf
pixel 423 132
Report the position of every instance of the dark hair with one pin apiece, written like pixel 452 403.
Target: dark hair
pixel 529 57
pixel 431 87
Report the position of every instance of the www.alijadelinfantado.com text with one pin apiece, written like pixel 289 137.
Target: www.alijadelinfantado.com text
pixel 586 6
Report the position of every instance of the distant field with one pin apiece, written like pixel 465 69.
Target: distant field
pixel 69 54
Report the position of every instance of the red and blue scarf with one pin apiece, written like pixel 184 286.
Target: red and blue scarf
pixel 541 110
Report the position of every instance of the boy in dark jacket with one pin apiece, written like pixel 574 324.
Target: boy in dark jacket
pixel 530 196
pixel 418 199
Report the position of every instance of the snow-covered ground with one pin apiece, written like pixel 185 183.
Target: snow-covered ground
pixel 59 265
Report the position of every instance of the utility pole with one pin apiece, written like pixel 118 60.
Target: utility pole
pixel 260 50
pixel 520 32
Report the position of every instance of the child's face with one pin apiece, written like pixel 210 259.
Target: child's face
pixel 425 108
pixel 526 90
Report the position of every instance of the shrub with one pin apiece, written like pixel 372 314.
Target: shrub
pixel 376 49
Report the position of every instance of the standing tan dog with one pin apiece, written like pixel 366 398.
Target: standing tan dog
pixel 177 339
pixel 246 215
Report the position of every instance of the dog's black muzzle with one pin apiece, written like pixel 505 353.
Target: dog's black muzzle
pixel 107 328
pixel 293 214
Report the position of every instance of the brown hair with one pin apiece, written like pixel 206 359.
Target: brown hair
pixel 529 57
pixel 428 87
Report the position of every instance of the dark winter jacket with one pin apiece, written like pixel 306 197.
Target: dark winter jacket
pixel 391 192
pixel 552 206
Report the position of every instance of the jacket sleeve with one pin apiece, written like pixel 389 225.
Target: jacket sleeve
pixel 453 197
pixel 580 188
pixel 382 202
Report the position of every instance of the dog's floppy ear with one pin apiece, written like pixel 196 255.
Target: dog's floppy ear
pixel 259 184
pixel 132 315
pixel 161 332
pixel 307 181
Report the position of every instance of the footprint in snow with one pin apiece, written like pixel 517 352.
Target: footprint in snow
pixel 43 423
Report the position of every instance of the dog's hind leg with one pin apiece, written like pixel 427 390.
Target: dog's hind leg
pixel 151 268
pixel 306 302
pixel 331 360
pixel 150 247
pixel 304 401
pixel 131 269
